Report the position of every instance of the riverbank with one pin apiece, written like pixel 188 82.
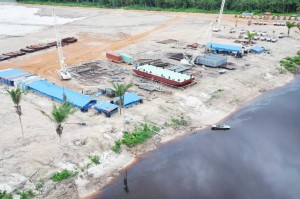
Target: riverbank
pixel 34 158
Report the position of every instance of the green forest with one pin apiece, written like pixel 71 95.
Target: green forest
pixel 257 6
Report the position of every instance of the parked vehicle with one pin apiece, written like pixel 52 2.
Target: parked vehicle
pixel 268 39
pixel 243 31
pixel 281 35
pixel 274 39
pixel 255 37
pixel 262 38
pixel 233 30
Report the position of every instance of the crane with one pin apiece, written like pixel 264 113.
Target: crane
pixel 64 73
pixel 218 21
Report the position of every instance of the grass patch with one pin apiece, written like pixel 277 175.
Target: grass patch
pixel 95 159
pixel 140 134
pixel 64 174
pixel 117 147
pixel 39 185
pixel 26 194
pixel 179 121
pixel 216 93
pixel 5 195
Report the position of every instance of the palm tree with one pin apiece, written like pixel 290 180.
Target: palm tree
pixel 120 90
pixel 250 36
pixel 290 25
pixel 59 115
pixel 16 98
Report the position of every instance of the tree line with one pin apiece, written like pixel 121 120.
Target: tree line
pixel 276 6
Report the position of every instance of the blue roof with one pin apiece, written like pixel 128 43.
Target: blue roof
pixel 56 92
pixel 258 49
pixel 106 106
pixel 129 98
pixel 10 72
pixel 224 47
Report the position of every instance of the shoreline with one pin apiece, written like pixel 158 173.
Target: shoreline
pixel 212 100
pixel 176 137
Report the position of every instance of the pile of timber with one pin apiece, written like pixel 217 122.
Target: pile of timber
pixel 34 48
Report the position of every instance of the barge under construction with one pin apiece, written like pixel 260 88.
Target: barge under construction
pixel 164 75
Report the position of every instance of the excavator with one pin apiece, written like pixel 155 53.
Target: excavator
pixel 64 73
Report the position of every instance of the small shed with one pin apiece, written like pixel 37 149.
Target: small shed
pixel 107 108
pixel 130 99
pixel 257 50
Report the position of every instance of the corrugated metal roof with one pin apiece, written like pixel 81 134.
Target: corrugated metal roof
pixel 233 48
pixel 9 72
pixel 165 73
pixel 105 106
pixel 56 92
pixel 129 98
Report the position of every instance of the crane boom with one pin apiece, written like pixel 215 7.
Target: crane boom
pixel 65 75
pixel 217 26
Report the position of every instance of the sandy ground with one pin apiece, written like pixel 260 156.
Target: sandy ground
pixel 26 161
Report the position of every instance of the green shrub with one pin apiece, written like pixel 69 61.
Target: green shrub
pixel 64 174
pixel 298 52
pixel 95 159
pixel 5 195
pixel 140 134
pixel 117 147
pixel 289 65
pixel 26 194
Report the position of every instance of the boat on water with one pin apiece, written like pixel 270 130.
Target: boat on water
pixel 220 127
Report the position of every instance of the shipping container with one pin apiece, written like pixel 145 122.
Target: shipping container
pixel 113 57
pixel 126 58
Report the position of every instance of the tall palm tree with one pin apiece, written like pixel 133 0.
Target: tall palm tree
pixel 289 25
pixel 15 96
pixel 60 114
pixel 250 36
pixel 120 90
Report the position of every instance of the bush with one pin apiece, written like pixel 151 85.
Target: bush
pixel 95 159
pixel 140 134
pixel 289 65
pixel 298 52
pixel 64 174
pixel 5 195
pixel 117 147
pixel 26 194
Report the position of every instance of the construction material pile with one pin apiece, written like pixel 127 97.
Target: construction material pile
pixel 34 48
pixel 97 72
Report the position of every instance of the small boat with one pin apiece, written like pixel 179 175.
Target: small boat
pixel 220 127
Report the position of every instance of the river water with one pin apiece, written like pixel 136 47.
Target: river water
pixel 259 158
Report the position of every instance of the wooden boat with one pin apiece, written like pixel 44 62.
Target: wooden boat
pixel 220 127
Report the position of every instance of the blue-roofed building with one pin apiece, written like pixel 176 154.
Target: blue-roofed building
pixel 130 99
pixel 55 92
pixel 107 108
pixel 6 76
pixel 224 48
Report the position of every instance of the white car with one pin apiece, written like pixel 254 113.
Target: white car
pixel 264 33
pixel 268 39
pixel 274 39
pixel 245 37
pixel 233 30
pixel 255 37
pixel 258 33
pixel 281 35
pixel 262 38
pixel 242 31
